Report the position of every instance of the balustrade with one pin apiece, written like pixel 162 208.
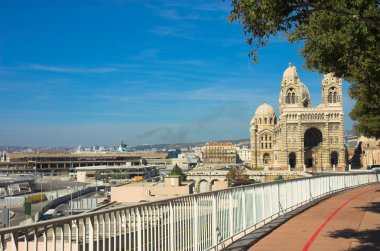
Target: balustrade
pixel 196 222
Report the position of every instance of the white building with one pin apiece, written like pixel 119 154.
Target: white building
pixel 244 153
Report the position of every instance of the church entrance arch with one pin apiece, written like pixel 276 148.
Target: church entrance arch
pixel 334 158
pixel 292 160
pixel 266 159
pixel 312 144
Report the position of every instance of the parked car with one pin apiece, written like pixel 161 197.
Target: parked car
pixel 105 201
pixel 375 167
pixel 60 213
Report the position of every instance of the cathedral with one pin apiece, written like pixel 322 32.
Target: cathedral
pixel 302 136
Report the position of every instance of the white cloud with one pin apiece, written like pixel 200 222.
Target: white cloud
pixel 64 69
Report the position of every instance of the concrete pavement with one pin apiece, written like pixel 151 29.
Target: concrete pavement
pixel 347 221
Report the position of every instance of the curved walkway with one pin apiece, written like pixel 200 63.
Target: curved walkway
pixel 347 221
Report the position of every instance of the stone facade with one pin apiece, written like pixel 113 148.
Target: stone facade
pixel 220 153
pixel 371 151
pixel 302 136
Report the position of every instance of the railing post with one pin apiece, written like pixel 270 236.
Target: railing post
pixel 195 224
pixel 119 220
pixel 14 241
pixel 244 213
pixel 114 219
pixel 279 199
pixel 231 213
pixel 54 237
pixel 45 238
pixel 97 232
pixel 90 234
pixel 139 230
pixel 254 206
pixel 214 222
pixel 171 224
pixel 262 203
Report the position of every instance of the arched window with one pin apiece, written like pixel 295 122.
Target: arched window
pixel 265 121
pixel 270 121
pixel 291 96
pixel 333 95
pixel 259 121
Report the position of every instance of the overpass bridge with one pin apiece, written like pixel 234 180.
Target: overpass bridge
pixel 6 182
pixel 205 221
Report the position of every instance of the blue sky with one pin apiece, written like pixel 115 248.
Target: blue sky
pixel 94 72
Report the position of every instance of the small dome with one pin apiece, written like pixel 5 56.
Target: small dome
pixel 265 110
pixel 305 91
pixel 290 73
pixel 264 115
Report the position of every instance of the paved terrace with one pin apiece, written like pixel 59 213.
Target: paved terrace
pixel 347 221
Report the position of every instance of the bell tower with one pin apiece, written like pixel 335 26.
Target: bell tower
pixel 331 90
pixel 294 94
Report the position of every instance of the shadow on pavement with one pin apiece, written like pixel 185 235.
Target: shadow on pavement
pixel 368 240
pixel 373 207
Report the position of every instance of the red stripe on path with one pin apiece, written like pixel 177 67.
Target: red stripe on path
pixel 307 245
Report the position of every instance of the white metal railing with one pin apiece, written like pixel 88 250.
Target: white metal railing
pixel 196 222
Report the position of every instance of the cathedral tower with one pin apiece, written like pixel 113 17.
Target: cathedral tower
pixel 294 94
pixel 262 136
pixel 331 90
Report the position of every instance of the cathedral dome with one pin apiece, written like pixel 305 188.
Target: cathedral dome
pixel 265 110
pixel 305 92
pixel 290 73
pixel 264 115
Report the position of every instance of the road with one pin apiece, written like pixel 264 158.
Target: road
pixel 43 186
pixel 347 221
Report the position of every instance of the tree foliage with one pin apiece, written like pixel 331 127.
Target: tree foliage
pixel 237 177
pixel 340 36
pixel 178 171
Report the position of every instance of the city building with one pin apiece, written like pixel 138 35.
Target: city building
pixel 220 153
pixel 199 151
pixel 301 136
pixel 244 154
pixel 151 191
pixel 173 153
pixel 371 151
pixel 58 162
pixel 92 173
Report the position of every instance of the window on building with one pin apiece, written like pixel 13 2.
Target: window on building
pixel 291 96
pixel 333 95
